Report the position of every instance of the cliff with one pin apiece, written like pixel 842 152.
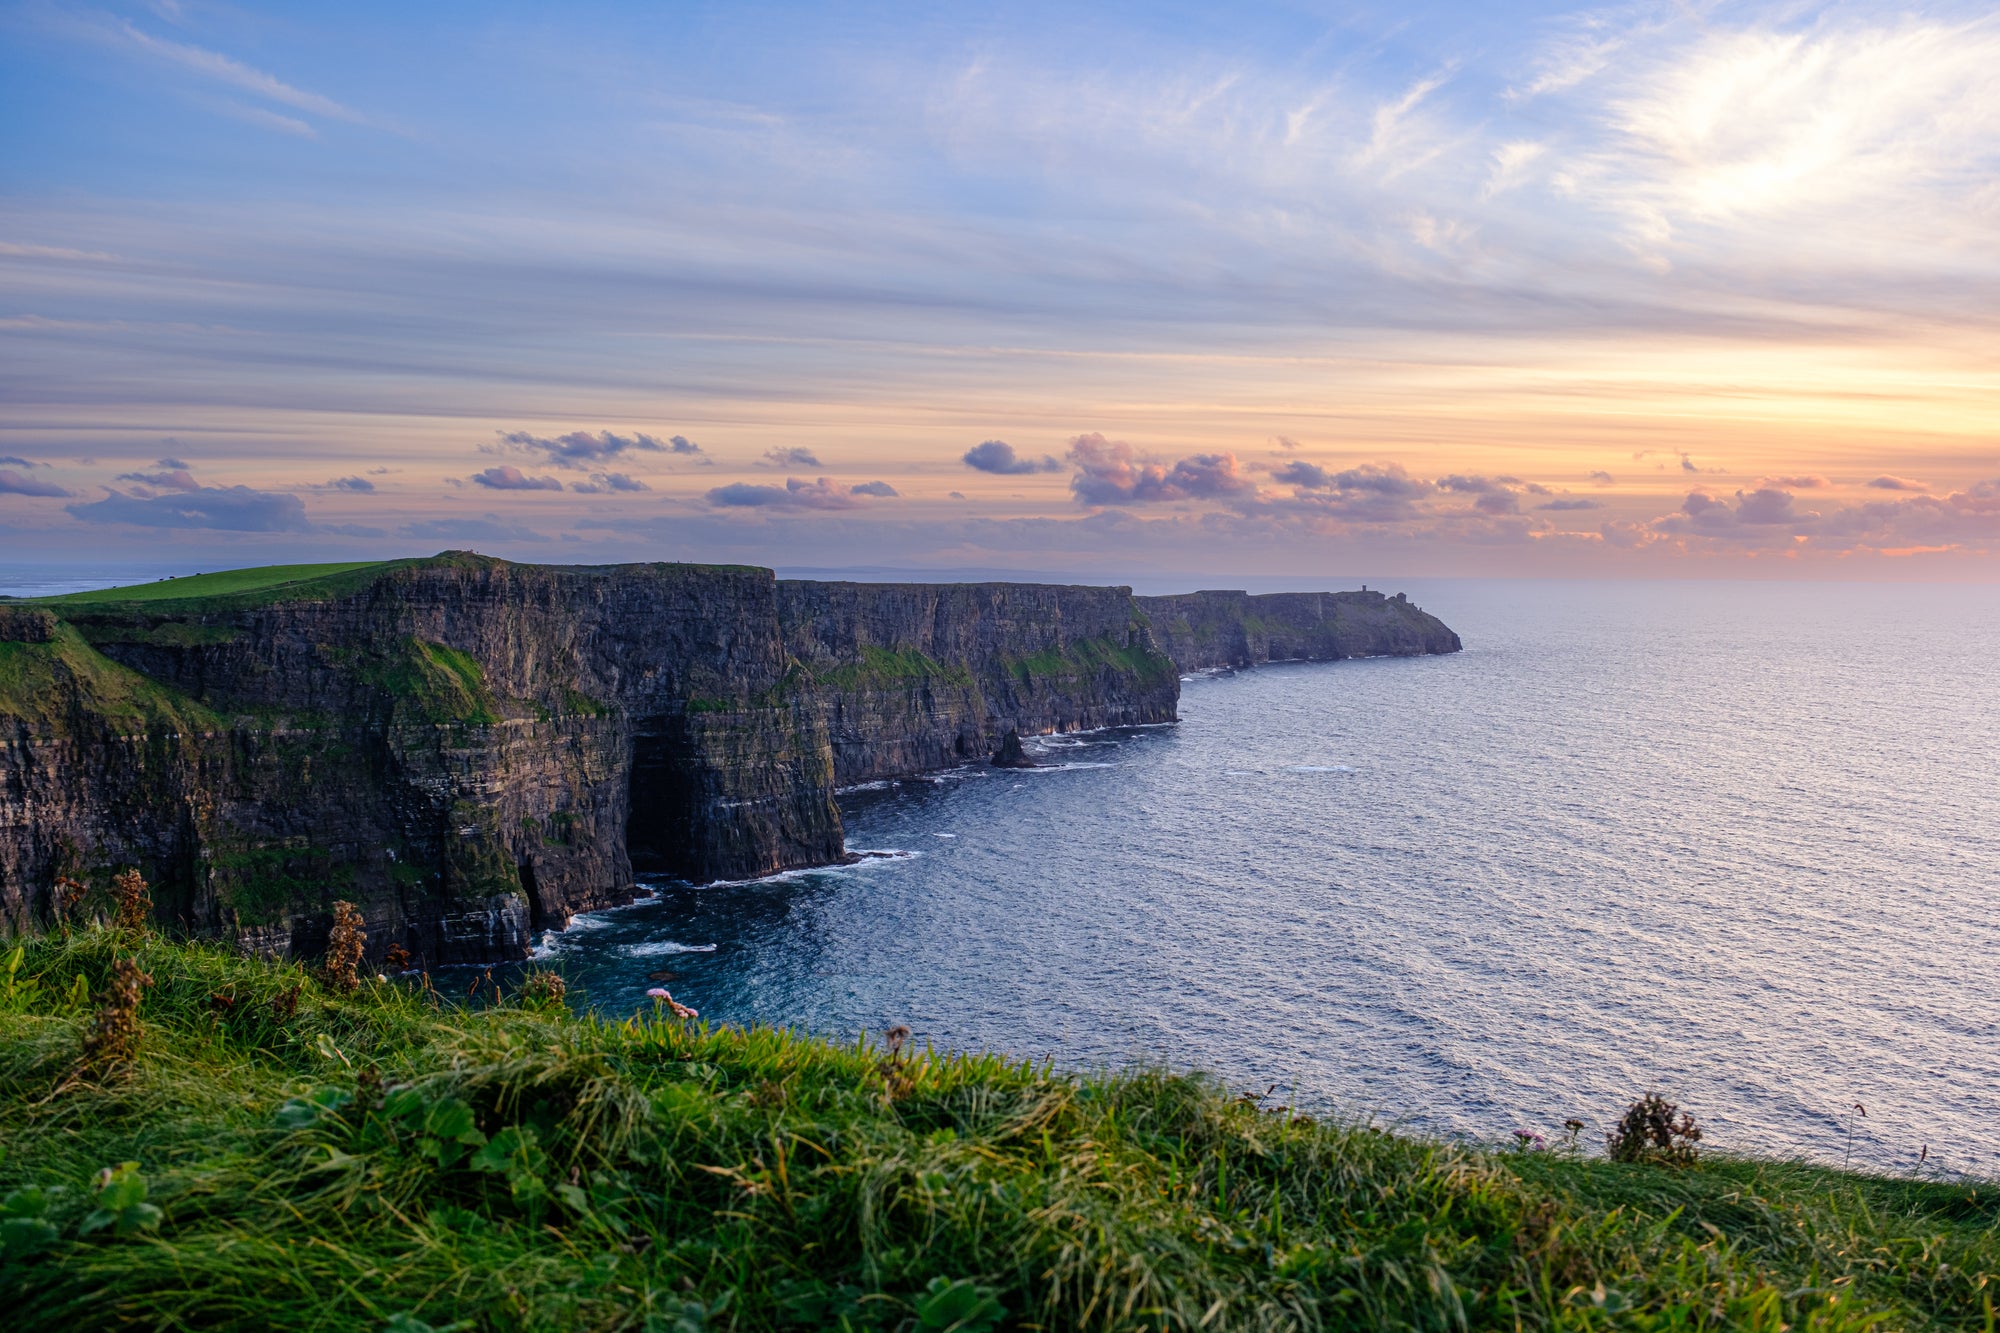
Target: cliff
pixel 918 676
pixel 472 751
pixel 1208 630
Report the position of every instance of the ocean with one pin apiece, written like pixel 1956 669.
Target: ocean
pixel 1737 843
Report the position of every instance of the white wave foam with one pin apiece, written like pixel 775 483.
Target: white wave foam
pixel 944 835
pixel 655 948
pixel 1319 768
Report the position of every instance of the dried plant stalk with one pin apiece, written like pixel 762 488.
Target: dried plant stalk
pixel 114 1035
pixel 135 904
pixel 343 948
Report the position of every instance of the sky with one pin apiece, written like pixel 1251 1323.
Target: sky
pixel 1676 290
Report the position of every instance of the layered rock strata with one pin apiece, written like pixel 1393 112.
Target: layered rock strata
pixel 472 750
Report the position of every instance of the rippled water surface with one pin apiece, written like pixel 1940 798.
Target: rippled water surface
pixel 1739 843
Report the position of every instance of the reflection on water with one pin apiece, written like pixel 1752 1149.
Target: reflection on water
pixel 1736 843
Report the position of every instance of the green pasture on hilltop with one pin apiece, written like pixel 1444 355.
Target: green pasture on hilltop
pixel 225 583
pixel 302 1158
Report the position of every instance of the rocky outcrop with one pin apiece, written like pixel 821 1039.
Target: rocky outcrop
pixel 472 750
pixel 1208 630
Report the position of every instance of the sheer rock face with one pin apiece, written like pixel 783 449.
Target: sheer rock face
pixel 473 751
pixel 1204 631
pixel 919 676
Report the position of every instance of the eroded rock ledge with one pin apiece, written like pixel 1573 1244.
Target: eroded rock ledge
pixel 473 750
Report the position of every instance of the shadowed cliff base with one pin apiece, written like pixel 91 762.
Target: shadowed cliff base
pixel 474 750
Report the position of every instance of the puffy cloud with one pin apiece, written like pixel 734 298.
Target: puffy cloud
pixel 173 475
pixel 1298 472
pixel 1602 479
pixel 790 458
pixel 1568 502
pixel 216 508
pixel 359 485
pixel 796 494
pixel 509 478
pixel 1810 481
pixel 16 483
pixel 603 483
pixel 998 456
pixel 1385 479
pixel 1111 472
pixel 8 460
pixel 582 450
pixel 1493 495
pixel 1371 493
pixel 1886 483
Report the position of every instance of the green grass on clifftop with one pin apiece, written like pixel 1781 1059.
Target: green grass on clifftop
pixel 227 583
pixel 384 1161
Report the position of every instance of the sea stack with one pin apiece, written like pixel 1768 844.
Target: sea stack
pixel 1010 754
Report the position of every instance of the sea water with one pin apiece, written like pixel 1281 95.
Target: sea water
pixel 1735 843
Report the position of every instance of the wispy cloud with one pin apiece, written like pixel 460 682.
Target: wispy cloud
pixel 223 69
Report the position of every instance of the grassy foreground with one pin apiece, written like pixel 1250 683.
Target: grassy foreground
pixel 381 1160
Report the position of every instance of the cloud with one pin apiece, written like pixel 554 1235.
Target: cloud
pixel 359 485
pixel 221 68
pixel 8 460
pixel 16 250
pixel 1886 483
pixel 790 458
pixel 1803 482
pixel 998 457
pixel 603 483
pixel 17 483
pixel 508 478
pixel 1967 520
pixel 582 450
pixel 795 494
pixel 174 475
pixel 1492 495
pixel 1301 473
pixel 1111 472
pixel 491 528
pixel 216 508
pixel 1568 502
pixel 1602 479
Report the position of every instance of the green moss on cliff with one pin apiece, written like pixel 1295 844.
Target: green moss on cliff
pixel 65 687
pixel 430 682
pixel 265 884
pixel 162 634
pixel 1086 657
pixel 886 668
